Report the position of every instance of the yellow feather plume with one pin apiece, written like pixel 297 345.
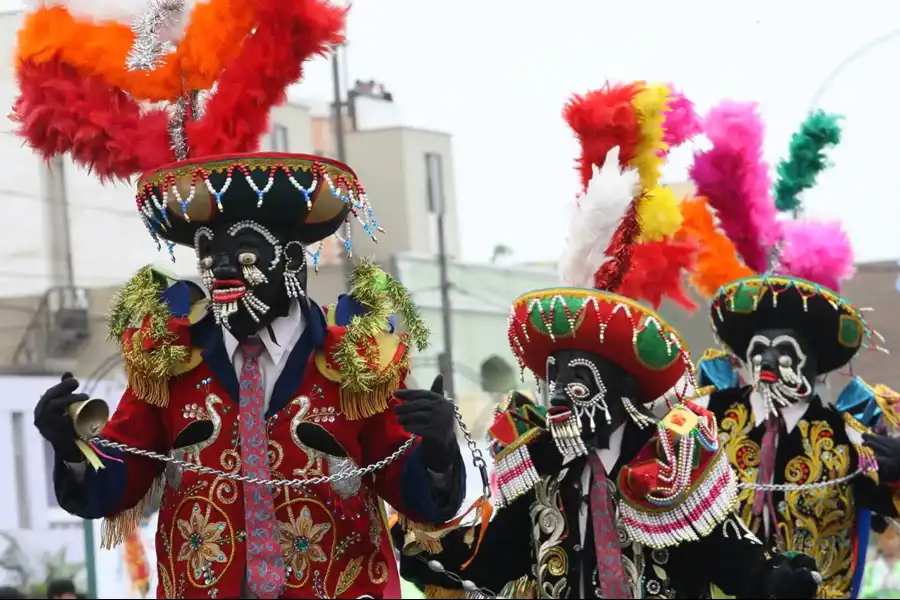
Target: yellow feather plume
pixel 657 211
pixel 650 105
pixel 659 214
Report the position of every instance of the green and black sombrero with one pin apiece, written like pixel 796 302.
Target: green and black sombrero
pixel 828 322
pixel 310 195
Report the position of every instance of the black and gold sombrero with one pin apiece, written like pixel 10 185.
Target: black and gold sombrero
pixel 828 322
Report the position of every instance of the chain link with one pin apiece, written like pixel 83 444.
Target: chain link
pixel 793 487
pixel 470 587
pixel 189 466
pixel 477 457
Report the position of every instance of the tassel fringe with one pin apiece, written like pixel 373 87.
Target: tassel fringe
pixel 116 529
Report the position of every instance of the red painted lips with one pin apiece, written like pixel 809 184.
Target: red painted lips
pixel 225 291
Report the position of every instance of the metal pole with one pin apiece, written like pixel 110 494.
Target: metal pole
pixel 90 558
pixel 339 133
pixel 447 355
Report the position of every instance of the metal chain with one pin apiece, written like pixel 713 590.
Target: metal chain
pixel 471 588
pixel 189 466
pixel 793 487
pixel 477 457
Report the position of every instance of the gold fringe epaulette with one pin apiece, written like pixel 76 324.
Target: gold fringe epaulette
pixel 140 322
pixel 370 362
pixel 116 529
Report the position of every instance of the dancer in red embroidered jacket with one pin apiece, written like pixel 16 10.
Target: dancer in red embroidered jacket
pixel 274 427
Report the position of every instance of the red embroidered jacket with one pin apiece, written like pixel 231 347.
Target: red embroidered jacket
pixel 332 535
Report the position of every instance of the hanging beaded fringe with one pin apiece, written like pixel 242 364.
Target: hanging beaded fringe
pixel 709 503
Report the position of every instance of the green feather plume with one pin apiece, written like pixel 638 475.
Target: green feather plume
pixel 806 158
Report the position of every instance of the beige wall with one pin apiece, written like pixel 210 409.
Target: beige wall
pixel 391 165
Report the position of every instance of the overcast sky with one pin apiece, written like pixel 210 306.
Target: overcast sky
pixel 496 74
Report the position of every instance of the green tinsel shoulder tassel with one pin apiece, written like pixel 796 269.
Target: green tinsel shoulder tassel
pixel 806 158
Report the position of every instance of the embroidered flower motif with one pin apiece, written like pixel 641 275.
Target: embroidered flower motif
pixel 201 545
pixel 300 542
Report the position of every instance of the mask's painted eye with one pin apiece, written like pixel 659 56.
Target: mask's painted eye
pixel 247 258
pixel 757 359
pixel 206 263
pixel 577 391
pixel 785 361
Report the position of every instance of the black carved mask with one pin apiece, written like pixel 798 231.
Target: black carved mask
pixel 243 266
pixel 782 366
pixel 592 388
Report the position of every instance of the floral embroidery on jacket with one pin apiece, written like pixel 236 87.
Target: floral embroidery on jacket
pixel 301 543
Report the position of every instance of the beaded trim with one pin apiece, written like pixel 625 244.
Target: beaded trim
pixel 516 474
pixel 342 186
pixel 710 502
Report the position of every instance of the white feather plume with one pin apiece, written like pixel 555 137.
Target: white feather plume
pixel 595 218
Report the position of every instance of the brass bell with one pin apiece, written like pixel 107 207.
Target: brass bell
pixel 89 417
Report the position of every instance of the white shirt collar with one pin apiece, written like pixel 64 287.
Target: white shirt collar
pixel 610 456
pixel 285 329
pixel 791 414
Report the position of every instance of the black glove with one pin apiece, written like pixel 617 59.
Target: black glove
pixel 429 415
pixel 795 575
pixel 54 423
pixel 887 453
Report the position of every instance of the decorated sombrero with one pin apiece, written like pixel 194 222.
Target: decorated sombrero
pixel 621 243
pixel 762 272
pixel 830 324
pixel 211 84
pixel 612 326
pixel 307 194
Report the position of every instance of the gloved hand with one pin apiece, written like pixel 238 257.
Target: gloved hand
pixel 887 453
pixel 54 423
pixel 795 575
pixel 429 415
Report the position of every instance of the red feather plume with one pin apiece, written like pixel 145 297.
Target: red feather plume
pixel 288 33
pixel 603 119
pixel 657 271
pixel 101 127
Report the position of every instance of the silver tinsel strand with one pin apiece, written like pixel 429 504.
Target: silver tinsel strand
pixel 148 49
pixel 774 257
pixel 177 135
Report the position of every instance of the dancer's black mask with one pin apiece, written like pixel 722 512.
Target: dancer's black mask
pixel 783 361
pixel 585 382
pixel 244 265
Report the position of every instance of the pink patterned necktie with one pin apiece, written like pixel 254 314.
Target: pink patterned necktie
pixel 265 565
pixel 610 570
pixel 762 499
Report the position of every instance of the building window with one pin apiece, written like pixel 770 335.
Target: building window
pixel 21 469
pixel 434 175
pixel 280 138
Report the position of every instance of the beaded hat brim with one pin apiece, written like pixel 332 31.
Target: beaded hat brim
pixel 617 328
pixel 307 196
pixel 827 322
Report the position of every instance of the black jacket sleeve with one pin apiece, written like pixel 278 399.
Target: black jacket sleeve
pixel 729 557
pixel 505 553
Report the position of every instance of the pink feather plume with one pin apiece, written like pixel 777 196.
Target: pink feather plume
pixel 682 121
pixel 734 178
pixel 818 251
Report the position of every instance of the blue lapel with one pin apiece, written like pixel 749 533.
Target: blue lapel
pixel 218 361
pixel 312 338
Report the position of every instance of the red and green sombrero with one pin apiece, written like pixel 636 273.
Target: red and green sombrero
pixel 828 322
pixel 309 195
pixel 615 327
